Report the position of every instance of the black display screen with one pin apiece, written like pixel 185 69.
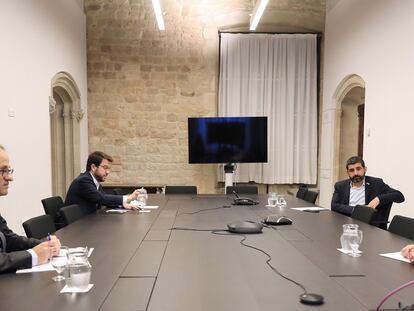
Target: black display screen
pixel 227 140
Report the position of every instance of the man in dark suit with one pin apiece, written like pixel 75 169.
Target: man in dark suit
pixel 18 252
pixel 364 190
pixel 86 190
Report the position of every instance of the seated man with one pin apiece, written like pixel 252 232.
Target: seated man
pixel 364 190
pixel 18 252
pixel 87 192
pixel 408 252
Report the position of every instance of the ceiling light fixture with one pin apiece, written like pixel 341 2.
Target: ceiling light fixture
pixel 257 13
pixel 158 14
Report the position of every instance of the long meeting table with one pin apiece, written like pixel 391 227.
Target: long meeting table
pixel 139 263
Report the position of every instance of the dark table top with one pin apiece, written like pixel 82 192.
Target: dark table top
pixel 140 264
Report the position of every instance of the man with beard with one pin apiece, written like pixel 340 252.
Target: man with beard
pixel 364 190
pixel 86 190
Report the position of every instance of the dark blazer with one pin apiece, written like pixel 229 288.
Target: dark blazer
pixel 83 192
pixel 374 187
pixel 16 256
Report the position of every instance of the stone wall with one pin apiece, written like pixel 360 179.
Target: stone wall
pixel 143 83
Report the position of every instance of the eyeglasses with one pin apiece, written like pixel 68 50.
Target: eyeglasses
pixel 105 167
pixel 6 171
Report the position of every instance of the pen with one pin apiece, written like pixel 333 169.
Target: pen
pixel 51 250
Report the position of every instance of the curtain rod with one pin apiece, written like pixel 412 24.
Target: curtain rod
pixel 319 34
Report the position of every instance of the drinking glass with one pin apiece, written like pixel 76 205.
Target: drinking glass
pixel 59 262
pixel 272 199
pixel 355 241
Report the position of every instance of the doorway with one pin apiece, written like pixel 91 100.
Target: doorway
pixel 349 129
pixel 65 116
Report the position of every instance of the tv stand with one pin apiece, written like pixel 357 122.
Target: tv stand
pixel 228 172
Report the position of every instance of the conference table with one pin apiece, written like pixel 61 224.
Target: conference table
pixel 139 263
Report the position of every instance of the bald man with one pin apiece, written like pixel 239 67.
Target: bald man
pixel 18 252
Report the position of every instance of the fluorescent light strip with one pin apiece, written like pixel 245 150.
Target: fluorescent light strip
pixel 158 14
pixel 258 14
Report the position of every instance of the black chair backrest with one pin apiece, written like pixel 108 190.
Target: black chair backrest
pixel 403 226
pixel 311 196
pixel 71 213
pixel 364 213
pixel 242 189
pixel 39 227
pixel 180 189
pixel 118 191
pixel 301 193
pixel 52 207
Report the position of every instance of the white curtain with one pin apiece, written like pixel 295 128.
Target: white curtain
pixel 274 75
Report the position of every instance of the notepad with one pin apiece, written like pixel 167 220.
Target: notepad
pixel 47 266
pixel 396 256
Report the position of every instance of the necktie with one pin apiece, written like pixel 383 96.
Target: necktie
pixel 3 242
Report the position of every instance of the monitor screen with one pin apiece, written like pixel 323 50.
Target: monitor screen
pixel 227 140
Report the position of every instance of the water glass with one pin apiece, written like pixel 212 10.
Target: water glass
pixel 272 199
pixel 59 262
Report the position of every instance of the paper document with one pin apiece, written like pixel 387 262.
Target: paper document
pixel 66 289
pixel 47 266
pixel 150 207
pixel 396 255
pixel 313 208
pixel 117 211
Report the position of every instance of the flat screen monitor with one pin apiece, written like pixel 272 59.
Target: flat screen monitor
pixel 227 140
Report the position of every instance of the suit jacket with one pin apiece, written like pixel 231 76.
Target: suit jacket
pixel 16 256
pixel 374 187
pixel 83 192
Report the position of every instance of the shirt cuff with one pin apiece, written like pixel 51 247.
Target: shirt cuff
pixel 34 257
pixel 124 199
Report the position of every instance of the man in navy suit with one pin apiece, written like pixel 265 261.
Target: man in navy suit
pixel 19 252
pixel 364 190
pixel 86 190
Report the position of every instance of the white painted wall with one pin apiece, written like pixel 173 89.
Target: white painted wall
pixel 38 38
pixel 373 39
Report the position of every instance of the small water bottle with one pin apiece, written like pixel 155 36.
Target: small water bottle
pixel 142 197
pixel 281 202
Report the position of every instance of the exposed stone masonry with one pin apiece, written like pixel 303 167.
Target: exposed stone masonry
pixel 143 83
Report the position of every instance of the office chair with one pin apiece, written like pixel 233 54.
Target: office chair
pixel 118 191
pixel 364 213
pixel 71 213
pixel 403 226
pixel 52 207
pixel 310 196
pixel 39 227
pixel 301 192
pixel 180 189
pixel 242 189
